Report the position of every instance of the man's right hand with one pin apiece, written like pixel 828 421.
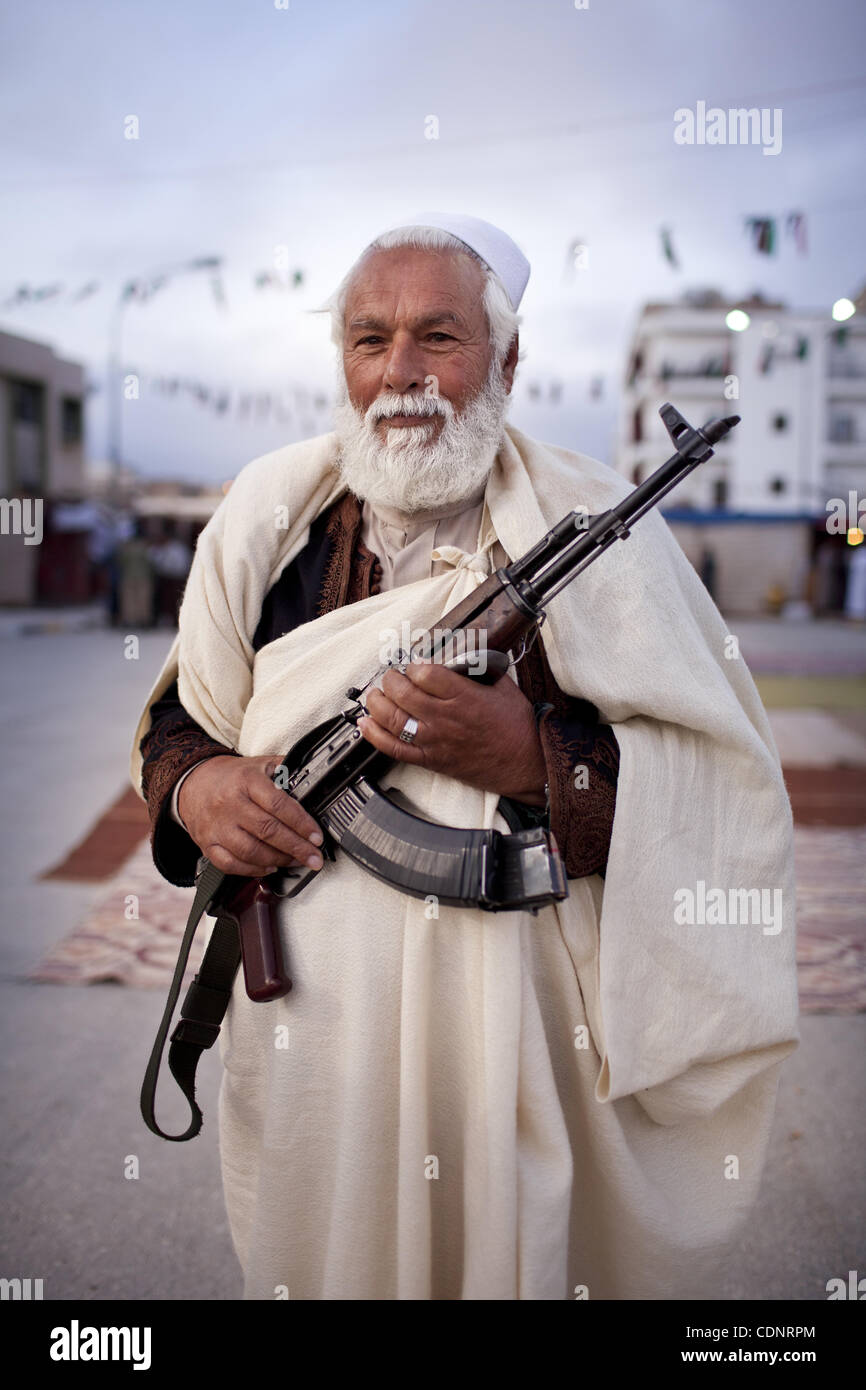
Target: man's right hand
pixel 242 821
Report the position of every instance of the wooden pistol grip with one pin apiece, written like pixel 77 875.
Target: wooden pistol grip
pixel 254 910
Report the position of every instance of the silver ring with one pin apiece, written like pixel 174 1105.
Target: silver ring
pixel 409 730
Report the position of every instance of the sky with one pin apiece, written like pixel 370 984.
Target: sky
pixel 305 125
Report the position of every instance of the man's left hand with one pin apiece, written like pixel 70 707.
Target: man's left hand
pixel 484 735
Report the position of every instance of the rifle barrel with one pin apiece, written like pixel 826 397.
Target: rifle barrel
pixel 545 570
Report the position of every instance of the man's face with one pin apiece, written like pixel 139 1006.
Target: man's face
pixel 412 315
pixel 421 400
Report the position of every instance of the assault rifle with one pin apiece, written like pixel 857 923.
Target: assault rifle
pixel 333 772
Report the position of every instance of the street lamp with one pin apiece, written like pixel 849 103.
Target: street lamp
pixel 843 309
pixel 738 320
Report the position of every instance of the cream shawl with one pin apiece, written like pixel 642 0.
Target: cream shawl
pixel 453 1104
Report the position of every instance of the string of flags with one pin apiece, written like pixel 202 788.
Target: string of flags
pixel 795 224
pixel 764 232
pixel 668 251
pixel 551 392
pixel 32 294
pixel 271 280
pixel 143 288
pixel 283 405
pixel 291 402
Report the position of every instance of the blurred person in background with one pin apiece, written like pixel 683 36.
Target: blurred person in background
pixel 136 584
pixel 171 557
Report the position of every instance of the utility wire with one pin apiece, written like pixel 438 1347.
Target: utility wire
pixel 568 131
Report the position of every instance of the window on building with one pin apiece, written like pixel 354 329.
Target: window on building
pixel 71 420
pixel 778 485
pixel 635 473
pixel 780 423
pixel 637 426
pixel 636 367
pixel 842 429
pixel 720 492
pixel 27 402
pixel 28 435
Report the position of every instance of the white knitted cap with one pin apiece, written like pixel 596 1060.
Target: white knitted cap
pixel 494 247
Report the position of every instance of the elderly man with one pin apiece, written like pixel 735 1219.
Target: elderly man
pixel 452 1104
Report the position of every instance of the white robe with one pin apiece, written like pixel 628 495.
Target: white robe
pixel 502 1106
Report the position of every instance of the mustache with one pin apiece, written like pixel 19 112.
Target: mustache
pixel 387 406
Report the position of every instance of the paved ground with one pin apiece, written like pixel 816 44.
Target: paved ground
pixel 831 647
pixel 816 738
pixel 29 622
pixel 72 1058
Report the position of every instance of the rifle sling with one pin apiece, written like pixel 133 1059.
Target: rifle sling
pixel 203 1008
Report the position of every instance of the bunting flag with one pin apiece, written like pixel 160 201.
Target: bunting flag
pixel 142 290
pixel 257 407
pixel 795 225
pixel 48 292
pixel 273 280
pixel 553 391
pixel 668 251
pixel 30 294
pixel 291 402
pixel 763 233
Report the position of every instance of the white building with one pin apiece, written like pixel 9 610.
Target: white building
pixel 798 380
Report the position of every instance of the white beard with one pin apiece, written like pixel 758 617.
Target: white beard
pixel 408 471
